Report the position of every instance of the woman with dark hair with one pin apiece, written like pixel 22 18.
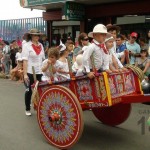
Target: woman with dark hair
pixel 83 40
pixel 143 62
pixel 32 56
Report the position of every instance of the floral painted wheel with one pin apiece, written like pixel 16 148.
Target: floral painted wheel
pixel 113 115
pixel 60 117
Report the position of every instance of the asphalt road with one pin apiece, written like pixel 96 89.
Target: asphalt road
pixel 19 132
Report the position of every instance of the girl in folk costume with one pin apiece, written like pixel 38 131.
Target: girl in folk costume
pixel 63 74
pixel 98 52
pixel 114 30
pixel 114 62
pixel 32 55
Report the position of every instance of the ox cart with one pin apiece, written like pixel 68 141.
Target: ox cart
pixel 60 105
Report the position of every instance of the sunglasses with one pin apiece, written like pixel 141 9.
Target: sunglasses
pixel 86 39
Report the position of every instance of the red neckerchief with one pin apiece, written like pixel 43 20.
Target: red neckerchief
pixel 37 49
pixel 102 46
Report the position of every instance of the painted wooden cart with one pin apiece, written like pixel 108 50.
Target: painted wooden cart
pixel 60 105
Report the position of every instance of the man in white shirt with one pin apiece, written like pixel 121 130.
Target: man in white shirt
pixel 97 50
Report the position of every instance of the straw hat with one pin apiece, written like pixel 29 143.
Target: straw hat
pixel 99 28
pixel 35 31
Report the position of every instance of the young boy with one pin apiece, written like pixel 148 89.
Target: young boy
pixel 50 65
pixel 98 51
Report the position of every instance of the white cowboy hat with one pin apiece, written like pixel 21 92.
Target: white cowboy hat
pixel 99 28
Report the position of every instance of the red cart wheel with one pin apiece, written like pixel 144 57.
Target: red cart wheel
pixel 60 117
pixel 113 115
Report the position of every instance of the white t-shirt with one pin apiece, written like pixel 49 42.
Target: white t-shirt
pixel 65 67
pixel 33 59
pixel 18 55
pixel 47 74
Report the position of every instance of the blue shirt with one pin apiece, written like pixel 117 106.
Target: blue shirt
pixel 134 48
pixel 121 48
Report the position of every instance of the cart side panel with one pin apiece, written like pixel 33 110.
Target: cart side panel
pixel 90 92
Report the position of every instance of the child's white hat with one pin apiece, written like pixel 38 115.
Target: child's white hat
pixel 62 46
pixel 99 28
pixel 109 37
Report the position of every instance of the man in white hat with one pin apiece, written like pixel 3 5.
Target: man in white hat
pixel 97 50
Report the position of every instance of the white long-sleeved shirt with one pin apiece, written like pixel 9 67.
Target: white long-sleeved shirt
pixel 112 52
pixel 101 60
pixel 33 59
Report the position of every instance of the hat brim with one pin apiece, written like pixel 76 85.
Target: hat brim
pixel 90 34
pixel 113 27
pixel 35 33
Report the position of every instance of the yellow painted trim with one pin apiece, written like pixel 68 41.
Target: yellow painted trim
pixel 107 88
pixel 140 86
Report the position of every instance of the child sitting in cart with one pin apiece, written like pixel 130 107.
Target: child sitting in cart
pixel 97 51
pixel 51 67
pixel 77 66
pixel 64 73
pixel 114 62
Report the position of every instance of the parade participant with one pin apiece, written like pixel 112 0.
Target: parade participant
pixel 53 56
pixel 64 62
pixel 133 47
pixel 97 50
pixel 77 67
pixel 113 65
pixel 114 30
pixel 32 55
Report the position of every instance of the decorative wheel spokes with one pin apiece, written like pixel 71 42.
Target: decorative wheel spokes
pixel 60 117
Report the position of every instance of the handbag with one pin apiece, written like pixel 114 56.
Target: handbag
pixel 141 66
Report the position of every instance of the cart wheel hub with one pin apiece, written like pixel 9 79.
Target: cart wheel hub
pixel 55 117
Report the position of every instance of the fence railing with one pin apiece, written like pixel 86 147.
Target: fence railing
pixel 12 29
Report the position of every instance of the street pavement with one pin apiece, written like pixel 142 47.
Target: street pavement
pixel 19 132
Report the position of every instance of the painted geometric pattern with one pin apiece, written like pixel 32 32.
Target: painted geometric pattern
pixel 121 84
pixel 102 88
pixel 63 130
pixel 84 90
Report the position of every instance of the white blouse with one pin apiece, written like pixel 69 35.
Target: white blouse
pixel 33 59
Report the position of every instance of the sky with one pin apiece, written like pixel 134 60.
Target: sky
pixel 11 9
